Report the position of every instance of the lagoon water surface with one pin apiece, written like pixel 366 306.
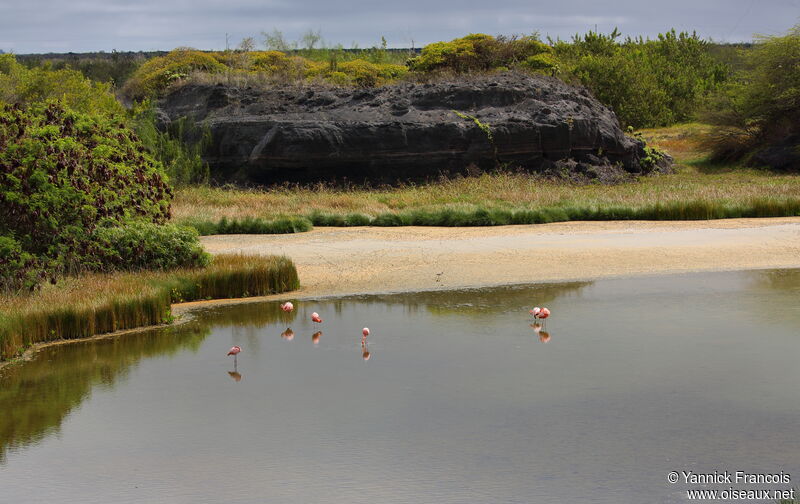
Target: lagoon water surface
pixel 460 400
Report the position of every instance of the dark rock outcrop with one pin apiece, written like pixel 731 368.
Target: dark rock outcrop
pixel 408 131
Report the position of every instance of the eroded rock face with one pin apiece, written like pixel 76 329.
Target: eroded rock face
pixel 406 131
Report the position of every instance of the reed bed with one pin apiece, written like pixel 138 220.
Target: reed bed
pixel 93 304
pixel 697 190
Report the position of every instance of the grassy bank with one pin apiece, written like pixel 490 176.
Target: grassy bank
pixel 697 190
pixel 100 303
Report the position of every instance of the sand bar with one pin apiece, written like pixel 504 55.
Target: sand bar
pixel 360 260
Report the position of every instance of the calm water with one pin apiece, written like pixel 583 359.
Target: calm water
pixel 459 401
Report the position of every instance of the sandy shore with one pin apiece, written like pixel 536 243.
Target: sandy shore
pixel 335 261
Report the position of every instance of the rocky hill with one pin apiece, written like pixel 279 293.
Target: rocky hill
pixel 410 131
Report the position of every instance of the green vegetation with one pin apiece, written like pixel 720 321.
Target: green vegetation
pixel 179 148
pixel 479 53
pixel 157 73
pixel 64 174
pixel 249 225
pixel 79 307
pixel 113 68
pixel 759 107
pixel 141 245
pixel 21 85
pixel 648 83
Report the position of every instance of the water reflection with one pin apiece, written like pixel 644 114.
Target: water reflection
pixel 36 396
pixel 472 302
pixel 365 350
pixel 315 337
pixel 237 377
pixel 288 334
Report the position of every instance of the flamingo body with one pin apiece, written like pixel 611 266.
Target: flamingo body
pixel 315 318
pixel 235 350
pixel 544 313
pixel 365 331
pixel 287 306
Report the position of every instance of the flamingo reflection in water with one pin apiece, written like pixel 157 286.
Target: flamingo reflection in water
pixel 237 377
pixel 315 337
pixel 288 334
pixel 544 336
pixel 365 350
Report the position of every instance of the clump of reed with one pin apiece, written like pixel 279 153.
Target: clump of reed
pixel 93 304
pixel 459 217
pixel 249 225
pixel 476 215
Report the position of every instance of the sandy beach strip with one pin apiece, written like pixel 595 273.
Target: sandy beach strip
pixel 362 260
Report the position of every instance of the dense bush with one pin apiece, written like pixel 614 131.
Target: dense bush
pixel 62 173
pixel 480 52
pixel 143 245
pixel 156 74
pixel 761 104
pixel 22 85
pixel 114 67
pixel 179 148
pixel 357 72
pixel 646 82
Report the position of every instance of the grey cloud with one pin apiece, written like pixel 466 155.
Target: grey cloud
pixel 85 25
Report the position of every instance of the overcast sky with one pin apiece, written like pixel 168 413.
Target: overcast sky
pixel 91 25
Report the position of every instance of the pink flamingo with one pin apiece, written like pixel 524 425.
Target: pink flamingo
pixel 544 313
pixel 535 312
pixel 235 352
pixel 287 306
pixel 365 331
pixel 315 318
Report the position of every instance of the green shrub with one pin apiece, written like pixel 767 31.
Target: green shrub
pixel 155 75
pixel 61 174
pixel 144 245
pixel 20 85
pixel 250 225
pixel 646 82
pixel 357 72
pixel 760 106
pixel 179 149
pixel 477 52
pixel 544 63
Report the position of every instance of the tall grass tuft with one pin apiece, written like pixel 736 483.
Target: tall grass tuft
pixel 100 303
pixel 249 225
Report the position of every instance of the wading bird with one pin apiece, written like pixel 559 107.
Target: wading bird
pixel 287 306
pixel 365 331
pixel 315 318
pixel 535 312
pixel 544 313
pixel 235 352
